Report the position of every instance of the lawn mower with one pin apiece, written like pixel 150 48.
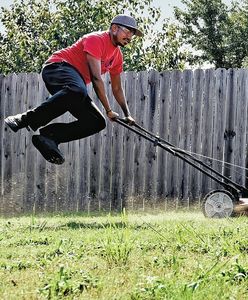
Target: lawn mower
pixel 220 203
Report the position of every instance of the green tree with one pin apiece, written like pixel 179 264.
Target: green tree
pixel 34 29
pixel 214 32
pixel 240 31
pixel 164 51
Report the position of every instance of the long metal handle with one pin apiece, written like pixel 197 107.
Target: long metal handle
pixel 156 140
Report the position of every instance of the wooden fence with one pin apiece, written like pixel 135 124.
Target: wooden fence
pixel 202 111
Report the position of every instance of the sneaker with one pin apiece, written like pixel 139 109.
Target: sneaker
pixel 48 149
pixel 17 122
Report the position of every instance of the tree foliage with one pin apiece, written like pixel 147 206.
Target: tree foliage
pixel 35 29
pixel 216 33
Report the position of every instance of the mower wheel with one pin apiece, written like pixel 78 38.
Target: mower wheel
pixel 218 204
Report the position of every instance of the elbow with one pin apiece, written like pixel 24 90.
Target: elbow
pixel 96 79
pixel 97 83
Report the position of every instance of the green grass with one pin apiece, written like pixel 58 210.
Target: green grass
pixel 165 256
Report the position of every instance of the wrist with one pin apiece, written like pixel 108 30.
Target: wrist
pixel 108 110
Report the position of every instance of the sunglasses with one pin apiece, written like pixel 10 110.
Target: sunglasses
pixel 128 31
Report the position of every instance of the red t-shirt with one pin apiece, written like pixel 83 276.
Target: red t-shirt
pixel 97 44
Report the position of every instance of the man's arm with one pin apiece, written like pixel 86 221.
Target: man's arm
pixel 98 84
pixel 119 96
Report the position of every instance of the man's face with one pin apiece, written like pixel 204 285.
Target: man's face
pixel 122 35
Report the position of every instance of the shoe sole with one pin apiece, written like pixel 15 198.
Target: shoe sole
pixel 49 154
pixel 8 121
pixel 10 124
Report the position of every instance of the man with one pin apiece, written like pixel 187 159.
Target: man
pixel 66 74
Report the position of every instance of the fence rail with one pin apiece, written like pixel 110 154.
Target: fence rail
pixel 201 111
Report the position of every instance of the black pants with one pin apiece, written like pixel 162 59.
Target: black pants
pixel 69 93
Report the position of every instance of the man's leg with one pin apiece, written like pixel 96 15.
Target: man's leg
pixel 89 121
pixel 67 88
pixel 89 118
pixel 65 85
pixel 69 94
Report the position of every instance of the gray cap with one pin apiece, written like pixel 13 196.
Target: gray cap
pixel 127 21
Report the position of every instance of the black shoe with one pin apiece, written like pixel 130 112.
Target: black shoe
pixel 48 149
pixel 17 122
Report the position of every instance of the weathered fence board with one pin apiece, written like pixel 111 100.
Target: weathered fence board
pixel 8 177
pixel 151 151
pixel 241 139
pixel 185 136
pixel 105 169
pixel 196 129
pixel 202 111
pixel 208 124
pixel 84 174
pixel 30 97
pixel 172 164
pixel 128 141
pixel 229 135
pixel 116 166
pixel 163 131
pixel 140 144
pixel 219 120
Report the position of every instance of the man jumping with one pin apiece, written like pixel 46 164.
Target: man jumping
pixel 66 74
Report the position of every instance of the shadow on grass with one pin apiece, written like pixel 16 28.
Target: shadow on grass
pixel 95 225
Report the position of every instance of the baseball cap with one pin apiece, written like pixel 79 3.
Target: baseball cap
pixel 127 21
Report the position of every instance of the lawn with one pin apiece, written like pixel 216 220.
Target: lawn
pixel 176 255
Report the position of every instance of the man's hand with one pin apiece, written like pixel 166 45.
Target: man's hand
pixel 112 115
pixel 130 120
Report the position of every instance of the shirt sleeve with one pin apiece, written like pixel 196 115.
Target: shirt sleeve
pixel 94 46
